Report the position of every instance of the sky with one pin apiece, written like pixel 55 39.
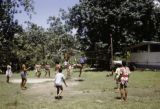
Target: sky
pixel 43 9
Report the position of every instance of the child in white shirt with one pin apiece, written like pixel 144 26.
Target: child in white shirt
pixel 59 80
pixel 8 73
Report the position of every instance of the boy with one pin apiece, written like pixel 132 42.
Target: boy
pixel 68 67
pixel 82 61
pixel 57 67
pixel 38 70
pixel 47 70
pixel 8 73
pixel 59 78
pixel 124 76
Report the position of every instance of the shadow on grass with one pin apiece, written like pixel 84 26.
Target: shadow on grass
pixel 79 79
pixel 118 98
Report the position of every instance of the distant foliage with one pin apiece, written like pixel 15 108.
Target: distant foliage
pixel 9 27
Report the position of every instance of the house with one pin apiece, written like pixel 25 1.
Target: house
pixel 145 55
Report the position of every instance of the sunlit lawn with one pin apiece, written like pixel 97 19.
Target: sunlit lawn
pixel 95 92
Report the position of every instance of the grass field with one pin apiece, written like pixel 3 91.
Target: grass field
pixel 95 92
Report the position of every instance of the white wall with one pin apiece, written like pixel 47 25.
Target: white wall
pixel 145 58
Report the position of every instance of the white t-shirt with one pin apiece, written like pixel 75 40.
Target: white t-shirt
pixel 8 72
pixel 59 79
pixel 65 63
pixel 118 72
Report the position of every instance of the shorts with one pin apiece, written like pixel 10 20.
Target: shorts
pixel 123 84
pixel 23 75
pixel 59 87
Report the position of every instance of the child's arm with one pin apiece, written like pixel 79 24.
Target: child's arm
pixel 28 68
pixel 64 82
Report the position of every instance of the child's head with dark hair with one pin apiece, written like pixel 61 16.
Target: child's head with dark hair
pixel 57 62
pixel 60 70
pixel 118 65
pixel 124 63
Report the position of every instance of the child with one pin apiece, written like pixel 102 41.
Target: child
pixel 67 66
pixel 82 61
pixel 8 73
pixel 117 75
pixel 24 76
pixel 47 70
pixel 79 66
pixel 124 76
pixel 59 78
pixel 57 67
pixel 38 70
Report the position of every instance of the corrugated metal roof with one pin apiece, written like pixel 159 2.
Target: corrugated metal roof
pixel 145 43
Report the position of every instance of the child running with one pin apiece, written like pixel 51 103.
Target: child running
pixel 24 76
pixel 8 73
pixel 59 78
pixel 82 61
pixel 124 76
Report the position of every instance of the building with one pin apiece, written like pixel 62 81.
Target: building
pixel 145 55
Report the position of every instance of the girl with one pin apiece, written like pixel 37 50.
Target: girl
pixel 24 76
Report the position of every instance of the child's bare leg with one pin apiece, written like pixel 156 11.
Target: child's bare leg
pixel 39 74
pixel 57 91
pixel 126 94
pixel 68 73
pixel 7 79
pixel 121 92
pixel 81 67
pixel 24 83
pixel 49 73
pixel 80 72
pixel 60 90
pixel 45 73
pixel 36 74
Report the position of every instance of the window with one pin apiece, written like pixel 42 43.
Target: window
pixel 155 48
pixel 143 48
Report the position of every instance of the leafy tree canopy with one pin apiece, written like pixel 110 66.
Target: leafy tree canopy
pixel 126 21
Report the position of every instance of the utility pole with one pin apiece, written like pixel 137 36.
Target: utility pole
pixel 111 65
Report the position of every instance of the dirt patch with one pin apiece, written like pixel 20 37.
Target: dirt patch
pixel 46 88
pixel 33 80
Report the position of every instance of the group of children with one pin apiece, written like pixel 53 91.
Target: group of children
pixel 122 73
pixel 38 70
pixel 59 76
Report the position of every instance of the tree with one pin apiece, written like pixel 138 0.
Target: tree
pixel 34 41
pixel 62 40
pixel 9 26
pixel 127 21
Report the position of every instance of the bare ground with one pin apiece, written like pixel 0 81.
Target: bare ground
pixel 43 89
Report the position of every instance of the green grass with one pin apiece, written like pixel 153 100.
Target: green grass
pixel 95 92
